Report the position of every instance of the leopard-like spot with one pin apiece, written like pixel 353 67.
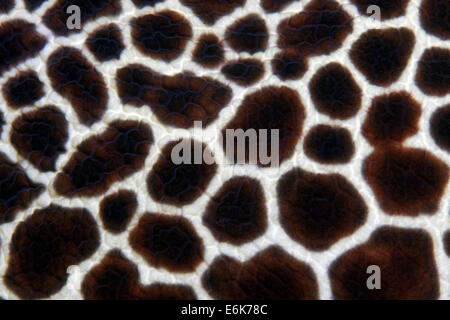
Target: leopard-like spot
pixel 244 72
pixel 117 210
pixel 106 42
pixel 434 18
pixel 23 89
pixel 433 72
pixel 248 34
pixel 440 127
pixel 209 11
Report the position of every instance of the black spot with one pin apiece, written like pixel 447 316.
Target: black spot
pixel 382 54
pixel 40 136
pixel 162 35
pixel 117 209
pixel 446 240
pixel 287 65
pixel 32 5
pixel 17 190
pixel 177 100
pixel 56 17
pixel 6 5
pixel 335 92
pixel 244 72
pixel 440 127
pixel 208 51
pixel 237 212
pixel 209 11
pixel 272 274
pixel 271 108
pixel 117 278
pixel 106 42
pixel 23 89
pixel 170 242
pixel 406 261
pixel 99 161
pixel 248 34
pixel 329 145
pixel 317 210
pixel 272 6
pixel 391 119
pixel 146 3
pixel 45 245
pixel 19 41
pixel 434 18
pixel 389 9
pixel 77 80
pixel 180 184
pixel 433 72
pixel 406 181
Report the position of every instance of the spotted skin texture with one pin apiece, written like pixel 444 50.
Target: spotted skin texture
pixel 433 72
pixel 106 43
pixel 244 72
pixel 23 89
pixel 434 18
pixel 209 51
pixel 248 34
pixel 117 210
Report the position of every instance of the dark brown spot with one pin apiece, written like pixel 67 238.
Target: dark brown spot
pixel 209 11
pixel 433 72
pixel 56 17
pixel 287 65
pixel 237 212
pixel 272 6
pixel 117 278
pixel 170 242
pixel 406 262
pixel 317 210
pixel 244 72
pixel 208 51
pixel 77 80
pixel 248 34
pixel 272 274
pixel 6 5
pixel 335 92
pixel 146 3
pixel 23 89
pixel 2 122
pixel 17 190
pixel 180 184
pixel 106 42
pixel 381 55
pixel 391 119
pixel 177 100
pixel 32 5
pixel 389 9
pixel 319 29
pixel 406 181
pixel 117 209
pixel 19 41
pixel 103 159
pixel 329 145
pixel 40 136
pixel 45 245
pixel 434 18
pixel 440 127
pixel 446 240
pixel 271 108
pixel 162 35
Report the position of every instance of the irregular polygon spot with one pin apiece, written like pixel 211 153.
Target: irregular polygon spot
pixel 209 51
pixel 433 72
pixel 146 3
pixel 391 119
pixel 45 245
pixel 389 9
pixel 272 6
pixel 440 127
pixel 177 100
pixel 381 55
pixel 162 35
pixel 117 278
pixel 317 210
pixel 271 274
pixel 248 34
pixel 287 65
pixel 19 41
pixel 170 242
pixel 406 181
pixel 117 209
pixel 270 108
pixel 77 80
pixel 106 42
pixel 180 184
pixel 237 213
pixel 100 160
pixel 329 145
pixel 6 5
pixel 209 11
pixel 335 92
pixel 319 29
pixel 40 136
pixel 23 89
pixel 56 18
pixel 434 18
pixel 244 72
pixel 32 5
pixel 402 260
pixel 17 190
